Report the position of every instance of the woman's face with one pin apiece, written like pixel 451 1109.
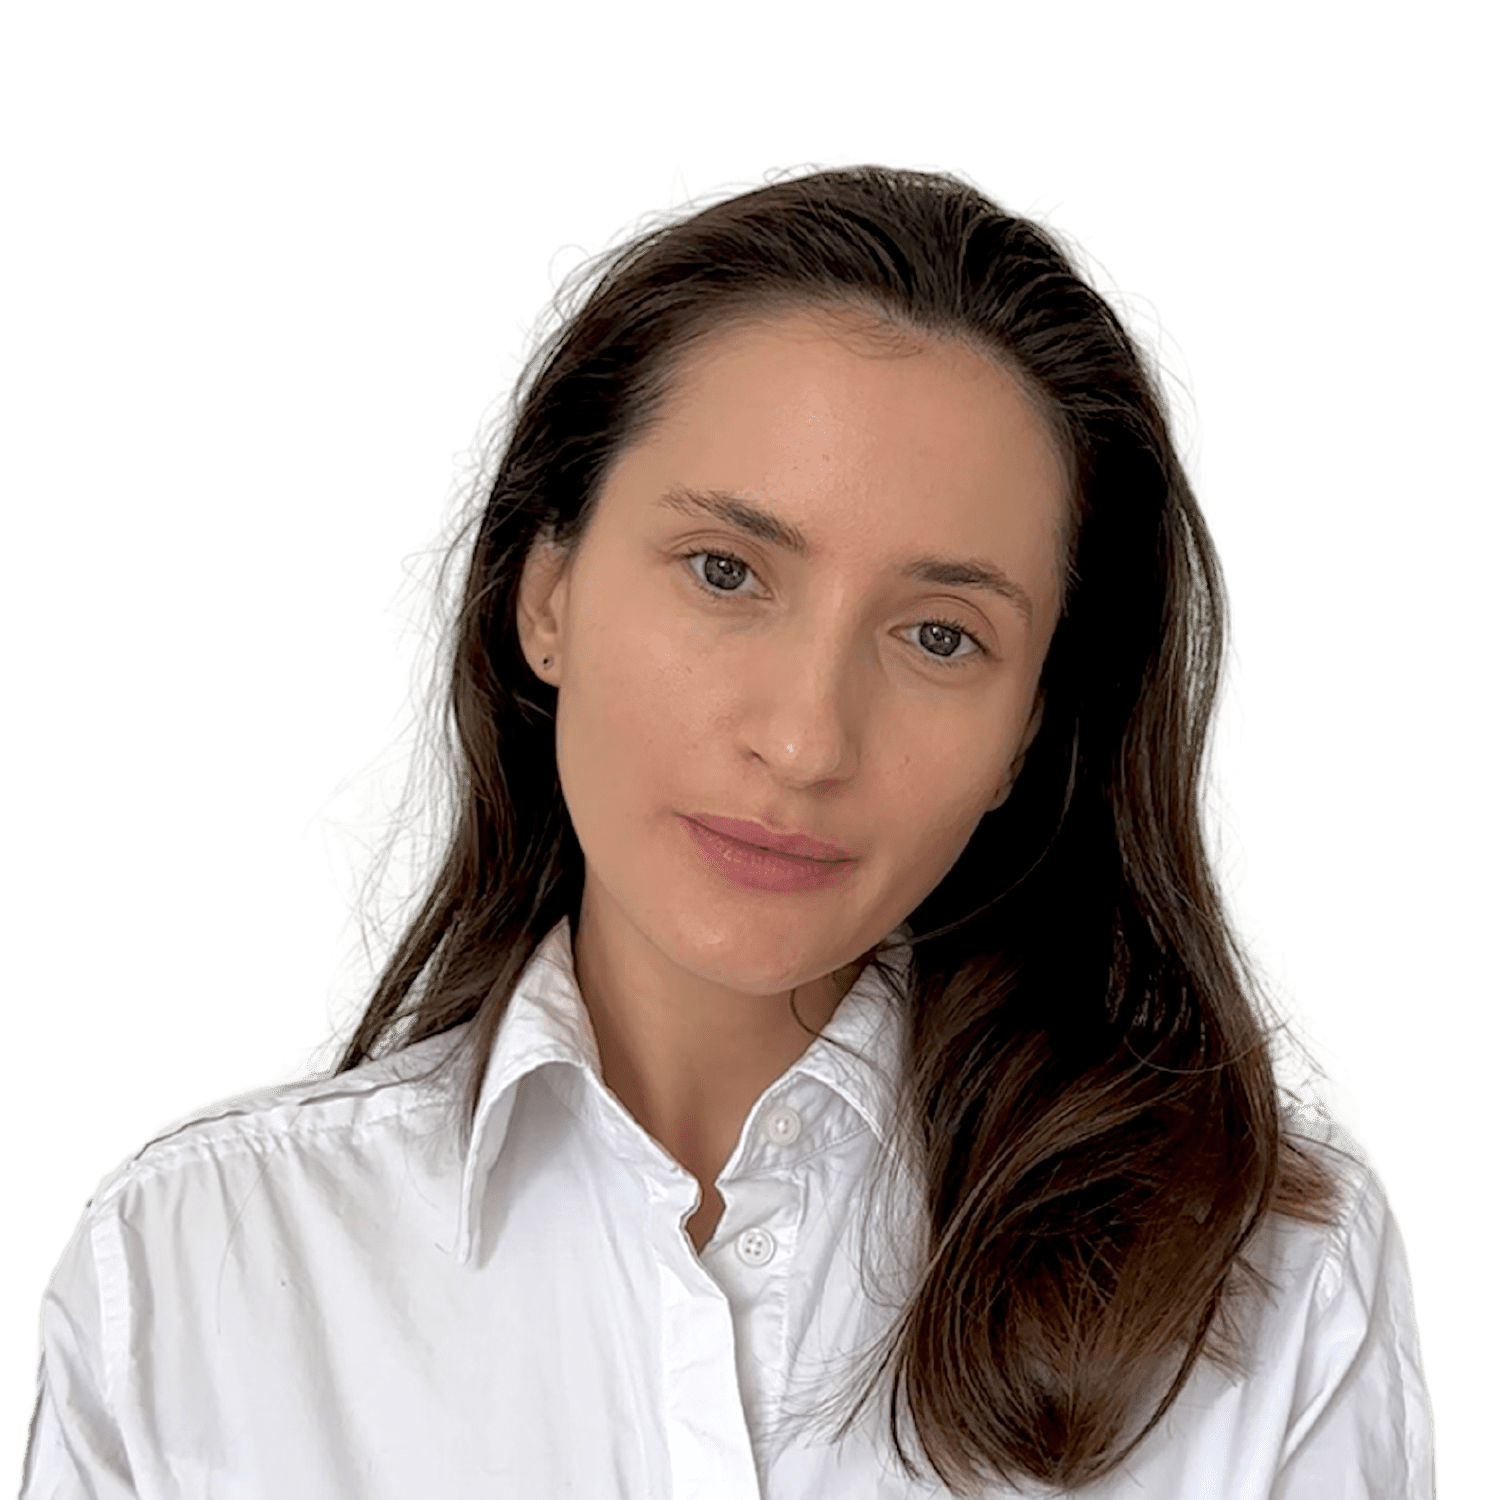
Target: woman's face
pixel 816 596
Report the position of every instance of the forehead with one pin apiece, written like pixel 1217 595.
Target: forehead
pixel 859 432
pixel 863 380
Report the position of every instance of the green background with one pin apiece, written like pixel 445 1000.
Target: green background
pixel 261 264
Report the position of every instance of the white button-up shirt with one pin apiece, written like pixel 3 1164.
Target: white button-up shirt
pixel 312 1294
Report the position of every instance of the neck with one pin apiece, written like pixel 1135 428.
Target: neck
pixel 687 1059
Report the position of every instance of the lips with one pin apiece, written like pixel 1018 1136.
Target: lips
pixel 798 845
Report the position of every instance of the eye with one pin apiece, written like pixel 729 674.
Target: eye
pixel 716 566
pixel 723 572
pixel 951 627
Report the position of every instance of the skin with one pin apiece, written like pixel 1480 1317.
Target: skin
pixel 804 695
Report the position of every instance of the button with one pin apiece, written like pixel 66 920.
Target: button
pixel 781 1126
pixel 755 1246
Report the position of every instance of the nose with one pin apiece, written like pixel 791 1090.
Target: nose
pixel 806 731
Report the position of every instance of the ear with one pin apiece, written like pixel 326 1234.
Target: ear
pixel 542 606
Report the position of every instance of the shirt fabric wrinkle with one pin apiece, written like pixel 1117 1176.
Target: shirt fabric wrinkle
pixel 317 1291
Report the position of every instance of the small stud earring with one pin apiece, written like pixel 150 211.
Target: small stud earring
pixel 546 661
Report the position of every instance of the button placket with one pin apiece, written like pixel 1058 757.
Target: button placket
pixel 756 1245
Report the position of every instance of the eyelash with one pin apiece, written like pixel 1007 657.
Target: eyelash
pixel 979 648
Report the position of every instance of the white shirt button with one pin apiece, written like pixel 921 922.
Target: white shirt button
pixel 780 1125
pixel 755 1246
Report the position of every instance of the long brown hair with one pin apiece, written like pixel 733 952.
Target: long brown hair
pixel 1090 1091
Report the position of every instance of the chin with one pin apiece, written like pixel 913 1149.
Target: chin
pixel 742 941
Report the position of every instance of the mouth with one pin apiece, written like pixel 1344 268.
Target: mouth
pixel 787 845
pixel 757 868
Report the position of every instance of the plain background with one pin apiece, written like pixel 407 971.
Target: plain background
pixel 267 272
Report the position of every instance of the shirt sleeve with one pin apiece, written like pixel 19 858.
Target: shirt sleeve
pixel 1361 1424
pixel 76 1450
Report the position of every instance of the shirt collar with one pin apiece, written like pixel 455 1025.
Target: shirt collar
pixel 857 1054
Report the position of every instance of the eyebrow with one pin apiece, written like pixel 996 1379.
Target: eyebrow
pixel 955 572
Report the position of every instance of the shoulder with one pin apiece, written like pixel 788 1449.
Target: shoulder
pixel 1354 1243
pixel 1336 1356
pixel 1303 1265
pixel 1306 1276
pixel 410 1093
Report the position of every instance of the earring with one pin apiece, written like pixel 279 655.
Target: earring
pixel 546 661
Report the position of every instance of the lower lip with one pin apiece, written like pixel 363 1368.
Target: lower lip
pixel 761 870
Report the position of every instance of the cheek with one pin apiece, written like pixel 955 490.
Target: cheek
pixel 936 784
pixel 637 705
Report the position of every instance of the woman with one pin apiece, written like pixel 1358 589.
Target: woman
pixel 820 1065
